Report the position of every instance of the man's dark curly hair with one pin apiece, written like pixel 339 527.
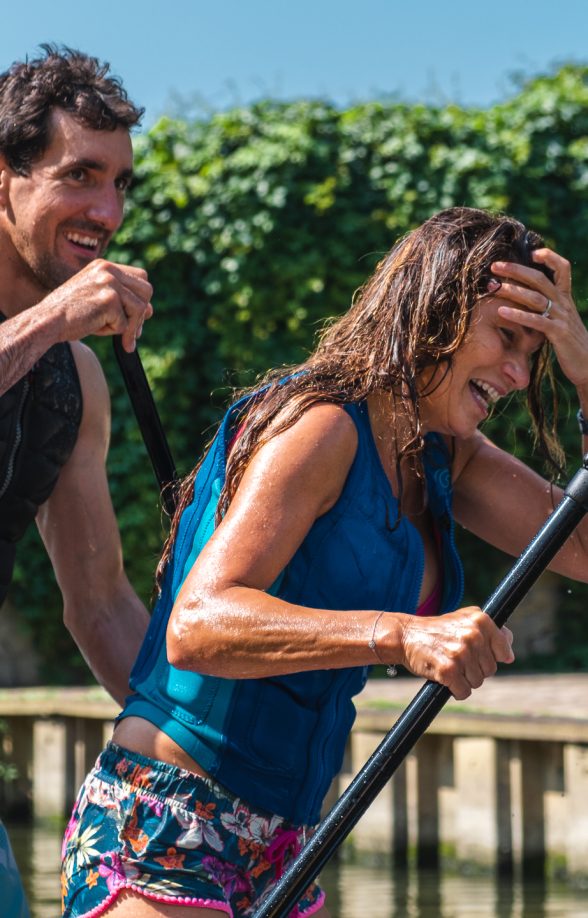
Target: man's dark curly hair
pixel 59 78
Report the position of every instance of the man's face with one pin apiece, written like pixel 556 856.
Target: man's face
pixel 63 214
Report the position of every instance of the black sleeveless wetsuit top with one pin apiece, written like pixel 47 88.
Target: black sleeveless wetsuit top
pixel 39 422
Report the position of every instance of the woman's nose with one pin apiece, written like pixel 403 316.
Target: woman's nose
pixel 517 370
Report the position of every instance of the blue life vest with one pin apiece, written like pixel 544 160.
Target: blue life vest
pixel 279 741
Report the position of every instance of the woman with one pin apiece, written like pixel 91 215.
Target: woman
pixel 316 539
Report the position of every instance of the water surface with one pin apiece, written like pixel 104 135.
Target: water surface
pixel 353 890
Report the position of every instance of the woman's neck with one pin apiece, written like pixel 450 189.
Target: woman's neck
pixel 393 431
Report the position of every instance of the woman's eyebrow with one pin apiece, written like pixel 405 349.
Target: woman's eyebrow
pixel 533 331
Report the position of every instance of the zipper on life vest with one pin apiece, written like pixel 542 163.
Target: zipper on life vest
pixel 327 729
pixel 450 601
pixel 17 438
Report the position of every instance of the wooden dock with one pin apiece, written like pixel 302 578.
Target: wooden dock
pixel 499 781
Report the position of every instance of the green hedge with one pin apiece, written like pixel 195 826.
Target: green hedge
pixel 257 223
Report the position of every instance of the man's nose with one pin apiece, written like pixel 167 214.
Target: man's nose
pixel 106 208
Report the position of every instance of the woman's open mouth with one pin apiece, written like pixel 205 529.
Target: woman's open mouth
pixel 484 394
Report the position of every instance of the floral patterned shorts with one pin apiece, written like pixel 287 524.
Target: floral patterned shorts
pixel 174 837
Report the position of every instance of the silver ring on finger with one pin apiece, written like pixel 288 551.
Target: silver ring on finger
pixel 547 311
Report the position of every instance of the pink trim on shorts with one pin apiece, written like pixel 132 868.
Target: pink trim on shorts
pixel 314 908
pixel 184 900
pixel 170 900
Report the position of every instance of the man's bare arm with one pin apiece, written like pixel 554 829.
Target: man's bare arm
pixel 101 610
pixel 102 299
pixel 23 340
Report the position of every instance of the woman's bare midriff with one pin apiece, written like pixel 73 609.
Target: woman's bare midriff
pixel 141 736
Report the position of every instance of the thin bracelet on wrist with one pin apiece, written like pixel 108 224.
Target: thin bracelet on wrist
pixel 390 668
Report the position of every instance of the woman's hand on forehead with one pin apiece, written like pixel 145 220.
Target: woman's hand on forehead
pixel 547 307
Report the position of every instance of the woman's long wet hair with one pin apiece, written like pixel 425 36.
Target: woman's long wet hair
pixel 413 313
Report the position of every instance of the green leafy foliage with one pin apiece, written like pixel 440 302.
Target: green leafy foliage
pixel 258 223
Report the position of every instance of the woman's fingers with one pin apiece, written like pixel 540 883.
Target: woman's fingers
pixel 526 278
pixel 531 287
pixel 547 307
pixel 561 268
pixel 534 300
pixel 535 278
pixel 458 650
pixel 506 645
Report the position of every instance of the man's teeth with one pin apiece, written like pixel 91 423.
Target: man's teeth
pixel 88 241
pixel 489 391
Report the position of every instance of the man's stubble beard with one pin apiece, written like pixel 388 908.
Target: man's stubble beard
pixel 50 273
pixel 44 271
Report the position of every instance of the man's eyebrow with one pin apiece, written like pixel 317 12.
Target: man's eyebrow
pixel 96 165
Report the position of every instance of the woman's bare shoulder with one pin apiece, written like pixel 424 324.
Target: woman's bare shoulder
pixel 327 423
pixel 317 451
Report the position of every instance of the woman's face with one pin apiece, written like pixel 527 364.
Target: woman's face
pixel 494 361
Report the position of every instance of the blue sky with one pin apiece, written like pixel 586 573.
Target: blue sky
pixel 213 54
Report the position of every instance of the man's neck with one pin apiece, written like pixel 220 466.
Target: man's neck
pixel 17 290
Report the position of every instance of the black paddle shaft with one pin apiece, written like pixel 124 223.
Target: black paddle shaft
pixel 422 710
pixel 148 420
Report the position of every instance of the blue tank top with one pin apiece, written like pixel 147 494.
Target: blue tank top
pixel 279 741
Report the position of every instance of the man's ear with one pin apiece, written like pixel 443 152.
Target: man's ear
pixel 5 173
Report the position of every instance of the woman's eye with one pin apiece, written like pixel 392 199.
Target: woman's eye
pixel 77 175
pixel 508 334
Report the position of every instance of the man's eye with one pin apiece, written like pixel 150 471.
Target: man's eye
pixel 123 184
pixel 78 175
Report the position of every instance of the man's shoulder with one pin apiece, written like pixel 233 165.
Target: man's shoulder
pixel 85 358
pixel 95 395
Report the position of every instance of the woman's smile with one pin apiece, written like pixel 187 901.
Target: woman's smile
pixel 494 361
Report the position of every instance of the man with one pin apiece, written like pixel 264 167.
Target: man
pixel 65 165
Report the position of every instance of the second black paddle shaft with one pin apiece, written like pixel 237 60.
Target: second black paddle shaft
pixel 423 709
pixel 148 420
